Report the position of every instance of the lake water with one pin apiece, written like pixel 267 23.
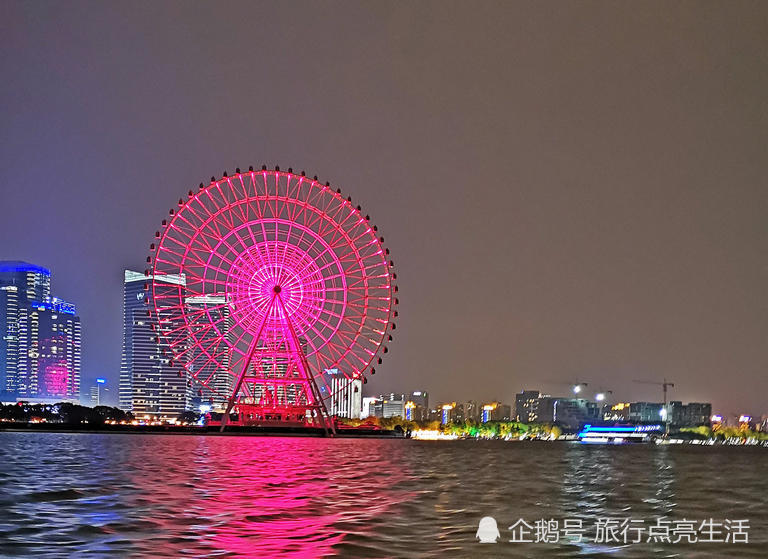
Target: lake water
pixel 99 495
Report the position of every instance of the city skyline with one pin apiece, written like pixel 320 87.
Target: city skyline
pixel 149 363
pixel 553 215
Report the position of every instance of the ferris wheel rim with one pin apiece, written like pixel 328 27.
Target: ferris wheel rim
pixel 344 351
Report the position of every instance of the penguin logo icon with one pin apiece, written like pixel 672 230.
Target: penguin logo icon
pixel 487 531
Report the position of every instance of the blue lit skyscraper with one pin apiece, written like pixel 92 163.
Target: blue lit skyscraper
pixel 41 339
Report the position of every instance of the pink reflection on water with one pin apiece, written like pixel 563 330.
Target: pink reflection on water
pixel 271 497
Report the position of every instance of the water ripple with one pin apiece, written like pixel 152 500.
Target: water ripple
pixel 170 496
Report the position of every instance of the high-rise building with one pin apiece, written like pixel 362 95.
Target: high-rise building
pixel 534 407
pixel 420 406
pixel 371 407
pixel 219 378
pixel 393 405
pixel 385 405
pixel 616 412
pixel 55 366
pixel 495 411
pixel 696 414
pixel 525 403
pixel 149 386
pixel 645 412
pixel 9 342
pixel 447 413
pixel 96 392
pixel 473 411
pixel 575 412
pixel 346 396
pixel 692 414
pixel 41 340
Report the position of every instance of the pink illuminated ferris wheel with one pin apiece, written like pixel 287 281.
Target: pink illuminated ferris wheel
pixel 274 292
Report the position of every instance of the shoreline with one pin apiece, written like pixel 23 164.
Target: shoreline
pixel 317 432
pixel 213 430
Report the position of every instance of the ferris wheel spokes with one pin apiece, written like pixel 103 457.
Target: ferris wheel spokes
pixel 254 348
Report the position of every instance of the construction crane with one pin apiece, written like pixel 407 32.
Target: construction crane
pixel 664 385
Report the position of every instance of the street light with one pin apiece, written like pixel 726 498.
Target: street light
pixel 578 386
pixel 601 396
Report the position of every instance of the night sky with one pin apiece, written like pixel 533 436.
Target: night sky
pixel 571 191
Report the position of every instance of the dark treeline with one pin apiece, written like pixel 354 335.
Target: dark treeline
pixel 64 412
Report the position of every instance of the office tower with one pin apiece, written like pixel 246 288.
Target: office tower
pixel 345 398
pixel 206 356
pixel 420 409
pixel 646 412
pixel 392 405
pixel 525 403
pixel 96 396
pixel 495 411
pixel 55 366
pixel 696 413
pixel 40 350
pixel 149 386
pixel 473 411
pixel 9 342
pixel 371 407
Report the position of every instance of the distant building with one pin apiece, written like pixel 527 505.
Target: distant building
pixel 40 338
pixel 472 411
pixel 617 412
pixel 534 407
pixel 393 405
pixel 457 414
pixel 97 393
pixel 692 414
pixel 495 411
pixel 420 409
pixel 344 396
pixel 696 414
pixel 210 342
pixel 371 408
pixel 447 413
pixel 434 414
pixel 149 386
pixel 94 399
pixel 763 425
pixel 525 406
pixel 645 412
pixel 572 413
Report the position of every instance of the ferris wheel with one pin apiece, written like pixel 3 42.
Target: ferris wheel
pixel 263 284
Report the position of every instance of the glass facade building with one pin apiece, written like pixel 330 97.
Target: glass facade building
pixel 149 386
pixel 201 361
pixel 40 348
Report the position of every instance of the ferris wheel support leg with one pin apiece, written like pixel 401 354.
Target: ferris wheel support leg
pixel 241 376
pixel 318 405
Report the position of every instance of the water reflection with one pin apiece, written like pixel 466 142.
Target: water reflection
pixel 198 496
pixel 172 496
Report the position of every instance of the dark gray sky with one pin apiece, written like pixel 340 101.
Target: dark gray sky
pixel 570 190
